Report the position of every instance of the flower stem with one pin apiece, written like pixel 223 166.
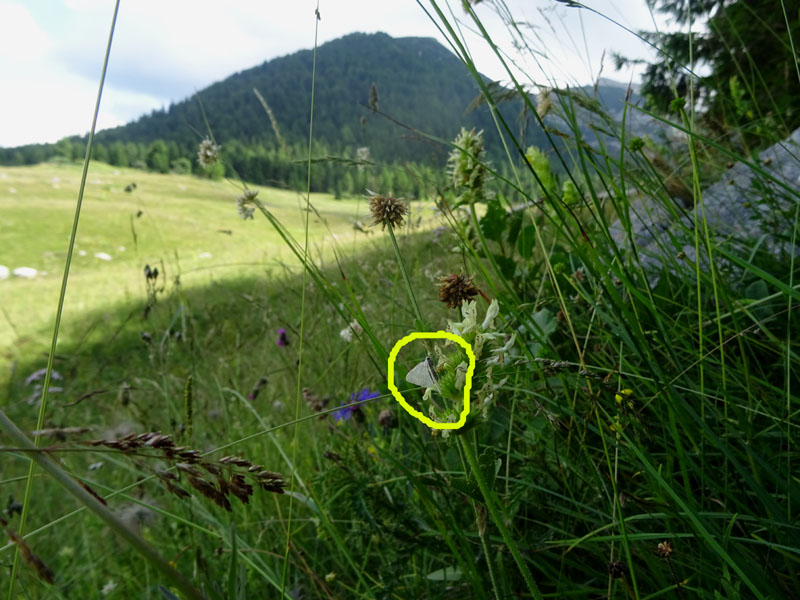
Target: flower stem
pixel 420 324
pixel 498 519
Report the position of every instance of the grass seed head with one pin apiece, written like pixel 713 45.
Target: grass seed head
pixel 387 210
pixel 456 289
pixel 664 549
pixel 208 153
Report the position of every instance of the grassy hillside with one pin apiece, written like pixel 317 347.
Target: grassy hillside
pixel 188 227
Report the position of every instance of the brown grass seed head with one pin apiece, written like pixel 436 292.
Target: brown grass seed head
pixel 387 210
pixel 456 289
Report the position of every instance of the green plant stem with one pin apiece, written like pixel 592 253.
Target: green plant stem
pixel 498 519
pixel 285 572
pixel 48 465
pixel 62 295
pixel 489 563
pixel 420 325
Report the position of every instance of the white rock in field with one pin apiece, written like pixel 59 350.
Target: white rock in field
pixel 102 256
pixel 12 190
pixel 121 248
pixel 4 272
pixel 3 175
pixel 25 272
pixel 81 252
pixel 204 255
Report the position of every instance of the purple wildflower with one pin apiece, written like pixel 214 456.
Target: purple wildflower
pixel 344 414
pixel 283 339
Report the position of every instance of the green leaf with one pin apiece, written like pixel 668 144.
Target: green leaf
pixel 493 223
pixel 446 574
pixel 757 290
pixel 525 241
pixel 490 466
pixel 506 264
pixel 514 227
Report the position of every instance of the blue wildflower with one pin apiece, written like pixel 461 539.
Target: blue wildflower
pixel 346 412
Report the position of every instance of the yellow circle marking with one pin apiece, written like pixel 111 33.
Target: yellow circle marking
pixel 436 335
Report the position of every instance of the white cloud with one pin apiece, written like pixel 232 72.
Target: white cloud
pixel 51 52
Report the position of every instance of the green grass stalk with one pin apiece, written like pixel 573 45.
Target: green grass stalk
pixel 62 295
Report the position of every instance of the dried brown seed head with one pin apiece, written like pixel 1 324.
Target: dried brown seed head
pixel 664 549
pixel 456 289
pixel 616 569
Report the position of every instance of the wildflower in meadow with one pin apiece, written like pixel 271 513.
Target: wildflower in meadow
pixel 257 388
pixel 456 289
pixel 283 339
pixel 346 412
pixel 244 202
pixel 387 210
pixel 208 153
pixel 354 327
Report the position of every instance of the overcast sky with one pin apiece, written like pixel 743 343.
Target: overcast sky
pixel 51 51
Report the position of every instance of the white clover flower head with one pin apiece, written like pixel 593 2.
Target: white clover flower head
pixel 208 153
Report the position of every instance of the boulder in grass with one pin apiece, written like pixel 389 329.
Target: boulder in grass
pixel 25 272
pixel 4 272
pixel 752 207
pixel 102 256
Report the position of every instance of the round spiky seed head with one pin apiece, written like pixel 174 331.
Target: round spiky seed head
pixel 208 153
pixel 664 549
pixel 456 289
pixel 616 569
pixel 387 210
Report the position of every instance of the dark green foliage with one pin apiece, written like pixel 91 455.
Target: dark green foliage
pixel 158 157
pixel 753 84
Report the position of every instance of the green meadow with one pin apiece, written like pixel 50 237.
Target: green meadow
pixel 186 226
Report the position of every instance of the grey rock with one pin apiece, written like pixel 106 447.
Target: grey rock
pixel 745 209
